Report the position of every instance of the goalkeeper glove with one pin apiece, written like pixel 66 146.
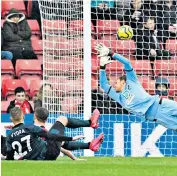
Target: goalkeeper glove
pixel 103 50
pixel 104 61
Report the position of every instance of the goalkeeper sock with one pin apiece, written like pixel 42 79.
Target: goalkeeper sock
pixel 70 145
pixel 76 123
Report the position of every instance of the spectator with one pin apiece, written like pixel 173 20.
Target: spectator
pixel 51 99
pixel 5 54
pixel 103 9
pixel 148 42
pixel 35 12
pixel 17 36
pixel 167 19
pixel 134 16
pixel 161 86
pixel 20 101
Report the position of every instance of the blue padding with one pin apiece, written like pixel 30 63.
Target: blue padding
pixel 5 118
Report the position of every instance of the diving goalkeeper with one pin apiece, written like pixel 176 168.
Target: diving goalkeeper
pixel 130 94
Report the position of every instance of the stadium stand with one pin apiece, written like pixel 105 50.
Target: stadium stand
pixel 9 4
pixel 28 73
pixel 28 67
pixel 8 86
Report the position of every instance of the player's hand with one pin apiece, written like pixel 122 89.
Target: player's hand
pixel 153 52
pixel 102 50
pixel 75 138
pixel 105 60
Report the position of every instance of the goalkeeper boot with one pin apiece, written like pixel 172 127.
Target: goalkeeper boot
pixel 94 119
pixel 95 144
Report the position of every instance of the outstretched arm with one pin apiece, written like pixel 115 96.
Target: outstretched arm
pixel 56 137
pixel 130 73
pixel 105 52
pixel 70 154
pixel 106 87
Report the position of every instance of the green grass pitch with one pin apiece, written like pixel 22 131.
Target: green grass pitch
pixel 95 166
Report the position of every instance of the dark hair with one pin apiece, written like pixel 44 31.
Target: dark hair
pixel 123 77
pixel 41 114
pixel 16 113
pixel 15 15
pixel 146 18
pixel 19 90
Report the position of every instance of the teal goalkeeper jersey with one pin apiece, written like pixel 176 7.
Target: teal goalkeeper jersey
pixel 133 97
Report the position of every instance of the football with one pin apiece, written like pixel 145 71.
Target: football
pixel 125 32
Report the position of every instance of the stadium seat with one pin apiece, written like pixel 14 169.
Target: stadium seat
pixel 149 86
pixel 75 46
pixel 7 67
pixel 119 46
pixel 173 83
pixel 94 82
pixel 8 86
pixel 122 46
pixel 144 78
pixel 34 26
pixel 29 78
pixel 95 64
pixel 171 45
pixel 3 77
pixel 37 46
pixel 4 106
pixel 174 58
pixel 61 66
pixel 142 67
pixel 7 5
pixel 107 26
pixel 165 67
pixel 55 26
pixel 64 85
pixel 108 37
pixel 28 67
pixel 35 85
pixel 70 104
pixel 76 26
pixel 115 67
pixel 10 97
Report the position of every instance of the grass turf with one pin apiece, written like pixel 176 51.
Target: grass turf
pixel 96 166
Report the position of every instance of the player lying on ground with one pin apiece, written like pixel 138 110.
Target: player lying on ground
pixel 40 119
pixel 25 140
pixel 130 94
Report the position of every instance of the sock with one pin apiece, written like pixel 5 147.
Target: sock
pixel 76 123
pixel 70 145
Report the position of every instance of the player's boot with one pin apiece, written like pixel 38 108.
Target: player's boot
pixel 95 144
pixel 94 119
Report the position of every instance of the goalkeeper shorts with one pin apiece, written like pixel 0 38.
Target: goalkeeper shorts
pixel 167 114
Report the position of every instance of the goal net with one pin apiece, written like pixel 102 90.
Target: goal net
pixel 71 29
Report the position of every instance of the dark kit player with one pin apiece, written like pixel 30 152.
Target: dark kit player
pixel 24 141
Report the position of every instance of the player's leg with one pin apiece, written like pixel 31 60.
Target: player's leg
pixel 54 147
pixel 94 145
pixel 77 123
pixel 167 114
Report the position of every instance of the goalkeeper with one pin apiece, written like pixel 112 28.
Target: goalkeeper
pixel 130 94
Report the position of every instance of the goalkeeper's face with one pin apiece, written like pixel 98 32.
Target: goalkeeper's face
pixel 120 85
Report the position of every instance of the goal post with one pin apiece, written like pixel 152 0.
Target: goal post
pixel 70 31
